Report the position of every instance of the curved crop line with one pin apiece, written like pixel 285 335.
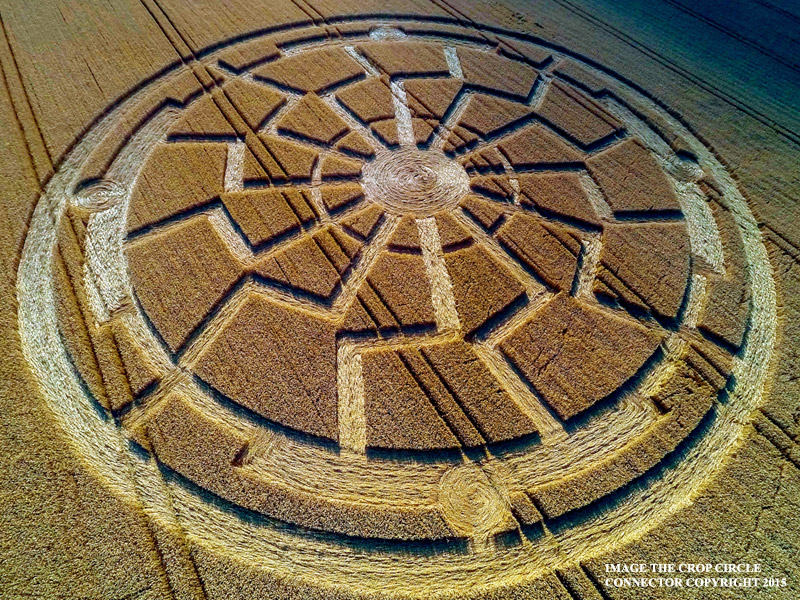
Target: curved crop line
pixel 760 333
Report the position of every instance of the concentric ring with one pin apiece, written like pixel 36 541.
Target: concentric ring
pixel 256 452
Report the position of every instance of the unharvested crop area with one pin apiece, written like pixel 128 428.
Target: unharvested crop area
pixel 398 308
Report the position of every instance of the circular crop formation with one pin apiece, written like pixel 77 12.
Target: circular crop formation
pixel 412 285
pixel 415 182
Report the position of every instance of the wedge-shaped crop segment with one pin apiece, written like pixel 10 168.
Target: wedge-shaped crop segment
pixel 313 71
pixel 576 355
pixel 279 362
pixel 177 178
pixel 180 275
pixel 645 266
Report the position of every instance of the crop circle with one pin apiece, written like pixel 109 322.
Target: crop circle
pixel 433 292
pixel 416 182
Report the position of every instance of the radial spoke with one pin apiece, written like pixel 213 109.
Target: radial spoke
pixel 368 257
pixel 362 60
pixel 444 303
pixel 350 382
pixel 355 124
pixel 542 83
pixel 316 192
pixel 445 127
pixel 596 198
pixel 549 427
pixel 453 62
pixel 590 259
pixel 234 167
pixel 512 178
pixel 405 128
pixel 491 245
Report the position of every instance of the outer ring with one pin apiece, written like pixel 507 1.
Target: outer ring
pixel 100 444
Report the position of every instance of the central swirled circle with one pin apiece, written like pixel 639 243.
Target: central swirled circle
pixel 418 182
